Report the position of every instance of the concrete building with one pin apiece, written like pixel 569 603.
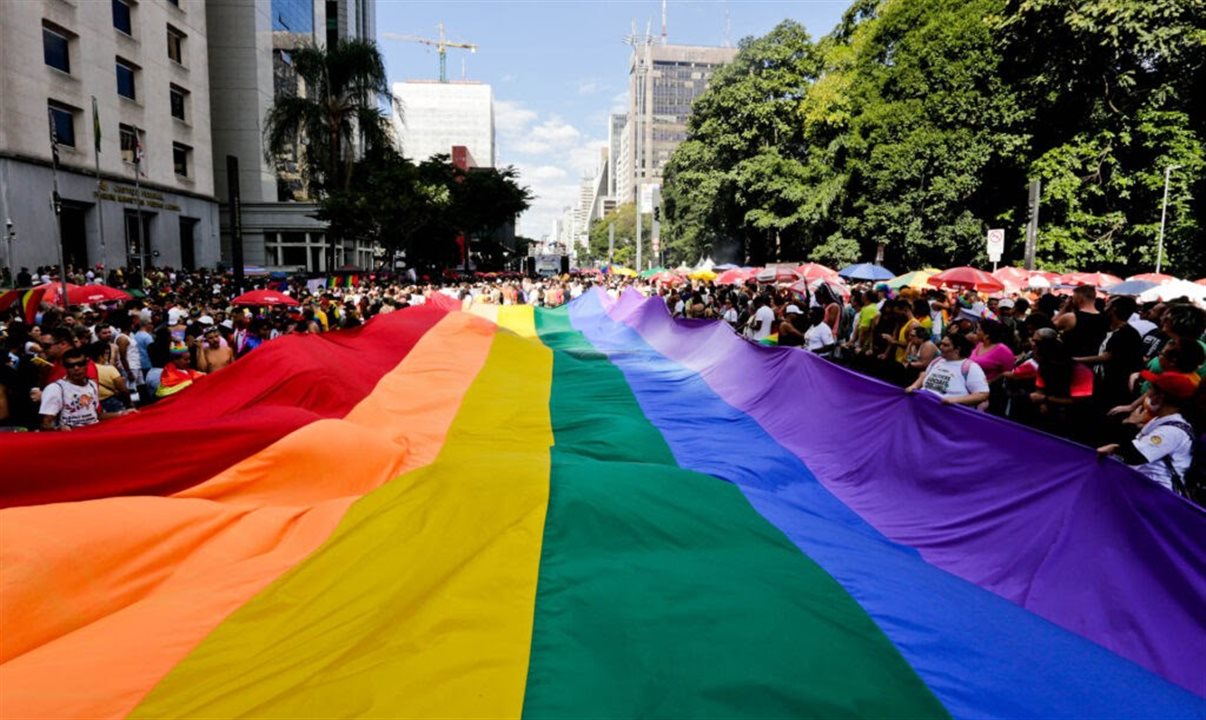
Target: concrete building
pixel 663 81
pixel 430 117
pixel 250 66
pixel 615 134
pixel 624 176
pixel 145 66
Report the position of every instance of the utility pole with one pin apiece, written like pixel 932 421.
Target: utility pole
pixel 1036 189
pixel 56 203
pixel 611 242
pixel 1164 216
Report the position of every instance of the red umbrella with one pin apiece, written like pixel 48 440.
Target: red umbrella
pixel 814 271
pixel 967 278
pixel 1051 277
pixel 1097 279
pixel 1201 282
pixel 82 294
pixel 736 276
pixel 1158 278
pixel 263 297
pixel 778 274
pixel 666 276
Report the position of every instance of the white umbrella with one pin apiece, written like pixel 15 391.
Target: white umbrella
pixel 1174 291
pixel 1038 282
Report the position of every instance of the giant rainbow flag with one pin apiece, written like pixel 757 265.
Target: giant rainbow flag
pixel 594 511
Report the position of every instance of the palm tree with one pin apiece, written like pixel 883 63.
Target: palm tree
pixel 345 84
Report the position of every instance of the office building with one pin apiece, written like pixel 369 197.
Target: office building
pixel 663 81
pixel 615 136
pixel 251 48
pixel 431 116
pixel 145 67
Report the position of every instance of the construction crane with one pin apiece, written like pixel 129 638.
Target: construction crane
pixel 441 45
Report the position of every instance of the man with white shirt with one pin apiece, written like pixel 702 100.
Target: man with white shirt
pixel 762 321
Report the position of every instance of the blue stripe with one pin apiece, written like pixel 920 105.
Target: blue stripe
pixel 981 655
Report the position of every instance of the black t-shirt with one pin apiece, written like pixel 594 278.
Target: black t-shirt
pixel 1085 339
pixel 1126 356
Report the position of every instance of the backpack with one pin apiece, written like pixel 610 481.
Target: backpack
pixel 1191 486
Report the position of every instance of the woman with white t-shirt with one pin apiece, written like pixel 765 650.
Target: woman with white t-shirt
pixel 818 338
pixel 952 376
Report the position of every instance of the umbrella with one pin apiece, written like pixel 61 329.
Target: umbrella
pixel 733 276
pixel 703 274
pixel 967 278
pixel 1039 282
pixel 814 271
pixel 805 287
pixel 1013 278
pixel 777 274
pixel 1174 291
pixel 915 279
pixel 1157 278
pixel 263 297
pixel 725 266
pixel 620 270
pixel 866 271
pixel 1200 282
pixel 666 276
pixel 652 271
pixel 82 294
pixel 1131 287
pixel 1096 279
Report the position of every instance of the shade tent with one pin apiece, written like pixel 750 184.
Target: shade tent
pixel 1131 288
pixel 1157 278
pixel 867 272
pixel 263 298
pixel 967 278
pixel 1175 291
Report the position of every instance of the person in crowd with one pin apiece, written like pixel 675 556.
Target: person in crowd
pixel 177 374
pixel 1120 356
pixel 919 354
pixel 818 338
pixel 214 354
pixel 1163 449
pixel 952 376
pixel 1080 324
pixel 72 401
pixel 792 327
pixel 113 393
pixel 762 322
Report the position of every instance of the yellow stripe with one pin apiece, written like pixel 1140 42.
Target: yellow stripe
pixel 421 604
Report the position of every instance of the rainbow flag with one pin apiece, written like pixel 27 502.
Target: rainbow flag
pixel 588 511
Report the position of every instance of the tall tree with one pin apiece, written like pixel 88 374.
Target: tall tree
pixel 345 86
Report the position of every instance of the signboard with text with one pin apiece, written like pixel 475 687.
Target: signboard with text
pixel 996 244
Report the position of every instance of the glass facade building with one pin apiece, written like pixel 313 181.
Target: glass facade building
pixel 295 16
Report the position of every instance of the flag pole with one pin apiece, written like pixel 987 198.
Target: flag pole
pixel 56 203
pixel 100 222
pixel 142 250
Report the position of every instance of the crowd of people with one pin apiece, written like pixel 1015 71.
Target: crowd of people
pixel 1103 371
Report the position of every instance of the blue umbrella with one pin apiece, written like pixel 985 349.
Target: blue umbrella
pixel 726 266
pixel 866 271
pixel 1131 287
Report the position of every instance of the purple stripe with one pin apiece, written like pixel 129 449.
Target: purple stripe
pixel 1091 546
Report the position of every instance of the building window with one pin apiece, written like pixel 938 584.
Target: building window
pixel 129 142
pixel 55 44
pixel 175 45
pixel 63 118
pixel 121 16
pixel 178 96
pixel 125 79
pixel 180 155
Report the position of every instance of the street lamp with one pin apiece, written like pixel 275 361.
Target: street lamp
pixel 1163 215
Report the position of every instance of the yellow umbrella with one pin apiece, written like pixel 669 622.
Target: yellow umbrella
pixel 916 279
pixel 706 275
pixel 626 272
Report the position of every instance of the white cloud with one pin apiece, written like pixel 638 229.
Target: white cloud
pixel 551 155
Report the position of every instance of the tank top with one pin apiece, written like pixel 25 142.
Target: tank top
pixel 1085 339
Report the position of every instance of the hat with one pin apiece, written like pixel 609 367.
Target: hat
pixel 228 324
pixel 178 349
pixel 1005 304
pixel 205 320
pixel 1177 384
pixel 793 310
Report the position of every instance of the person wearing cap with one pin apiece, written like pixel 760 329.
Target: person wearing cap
pixel 177 374
pixel 793 327
pixel 1163 449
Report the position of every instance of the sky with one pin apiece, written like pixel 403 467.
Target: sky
pixel 560 67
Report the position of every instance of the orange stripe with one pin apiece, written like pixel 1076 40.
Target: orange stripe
pixel 101 599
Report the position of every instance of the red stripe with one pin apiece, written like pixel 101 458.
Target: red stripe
pixel 188 438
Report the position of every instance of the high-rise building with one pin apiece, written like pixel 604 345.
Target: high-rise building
pixel 615 134
pixel 430 117
pixel 144 67
pixel 663 81
pixel 251 66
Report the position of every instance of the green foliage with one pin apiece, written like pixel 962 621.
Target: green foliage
pixel 419 210
pixel 916 125
pixel 624 219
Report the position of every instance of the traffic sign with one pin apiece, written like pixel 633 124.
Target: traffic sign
pixel 996 244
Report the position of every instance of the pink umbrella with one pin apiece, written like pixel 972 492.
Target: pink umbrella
pixel 1050 277
pixel 1012 276
pixel 736 276
pixel 777 274
pixel 1096 279
pixel 1158 278
pixel 263 297
pixel 667 277
pixel 82 294
pixel 1201 282
pixel 814 271
pixel 967 278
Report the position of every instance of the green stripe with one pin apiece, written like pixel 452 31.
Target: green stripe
pixel 662 592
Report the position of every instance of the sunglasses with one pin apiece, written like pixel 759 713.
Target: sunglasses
pixel 75 365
